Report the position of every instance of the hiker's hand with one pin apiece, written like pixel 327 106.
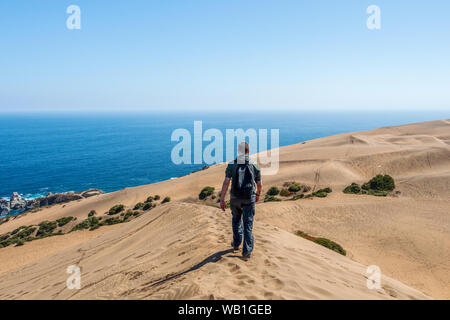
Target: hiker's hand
pixel 257 198
pixel 223 205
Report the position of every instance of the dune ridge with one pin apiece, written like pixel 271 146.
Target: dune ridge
pixel 180 250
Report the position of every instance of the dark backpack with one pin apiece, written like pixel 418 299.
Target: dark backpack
pixel 243 189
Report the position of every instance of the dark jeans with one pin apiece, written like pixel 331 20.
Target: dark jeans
pixel 243 212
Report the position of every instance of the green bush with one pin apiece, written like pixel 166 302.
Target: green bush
pixel 63 221
pixel 298 196
pixel 20 243
pixel 46 228
pixel 206 192
pixel 157 197
pixel 92 213
pixel 382 183
pixel 377 193
pixel 128 215
pixel 327 190
pixel 320 194
pixel 366 186
pixel 330 245
pixel 285 193
pixel 111 221
pixel 148 206
pixel 138 206
pixel 166 199
pixel 295 188
pixel 149 199
pixel 25 233
pixel 353 188
pixel 269 198
pixel 18 229
pixel 90 223
pixel 323 242
pixel 116 209
pixel 273 191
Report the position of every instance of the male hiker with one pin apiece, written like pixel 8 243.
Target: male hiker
pixel 243 175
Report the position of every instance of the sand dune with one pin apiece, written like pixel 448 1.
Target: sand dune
pixel 181 249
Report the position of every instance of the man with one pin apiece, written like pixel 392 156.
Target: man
pixel 244 174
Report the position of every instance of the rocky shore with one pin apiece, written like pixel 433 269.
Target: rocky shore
pixel 18 203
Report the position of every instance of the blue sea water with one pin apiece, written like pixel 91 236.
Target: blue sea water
pixel 41 153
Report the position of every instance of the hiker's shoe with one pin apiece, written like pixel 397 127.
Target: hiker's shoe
pixel 234 247
pixel 246 257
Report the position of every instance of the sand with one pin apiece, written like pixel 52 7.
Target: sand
pixel 180 250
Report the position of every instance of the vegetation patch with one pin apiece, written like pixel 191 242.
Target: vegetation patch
pixel 46 228
pixel 148 206
pixel 327 243
pixel 378 186
pixel 285 193
pixel 298 197
pixel 354 188
pixel 166 199
pixel 295 188
pixel 206 192
pixel 273 191
pixel 116 209
pixel 138 206
pixel 63 221
pixel 270 198
pixel 92 213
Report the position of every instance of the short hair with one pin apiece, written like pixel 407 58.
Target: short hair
pixel 244 148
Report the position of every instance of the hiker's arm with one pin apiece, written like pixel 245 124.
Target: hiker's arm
pixel 258 189
pixel 225 185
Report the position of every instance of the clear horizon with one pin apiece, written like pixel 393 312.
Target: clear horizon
pixel 219 56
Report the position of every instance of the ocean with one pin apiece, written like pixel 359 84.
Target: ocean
pixel 42 153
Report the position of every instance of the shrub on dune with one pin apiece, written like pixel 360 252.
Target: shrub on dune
pixel 148 206
pixel 353 188
pixel 92 213
pixel 323 242
pixel 63 221
pixel 331 245
pixel 166 199
pixel 206 192
pixel 269 198
pixel 273 191
pixel 382 183
pixel 378 186
pixel 46 228
pixel 295 188
pixel 157 197
pixel 298 196
pixel 320 194
pixel 377 193
pixel 285 193
pixel 111 221
pixel 138 206
pixel 116 209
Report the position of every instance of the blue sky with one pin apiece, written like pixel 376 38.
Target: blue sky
pixel 214 55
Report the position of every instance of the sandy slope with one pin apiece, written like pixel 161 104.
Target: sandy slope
pixel 179 250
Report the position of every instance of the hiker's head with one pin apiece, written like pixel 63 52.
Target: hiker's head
pixel 243 148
